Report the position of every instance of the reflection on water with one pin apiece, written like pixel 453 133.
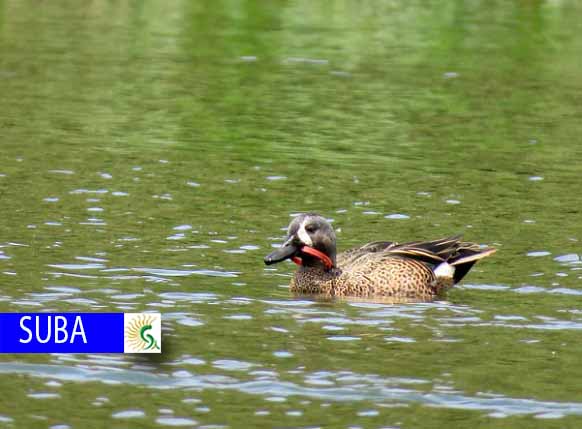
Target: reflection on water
pixel 152 153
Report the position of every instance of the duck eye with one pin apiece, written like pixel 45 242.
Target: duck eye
pixel 310 228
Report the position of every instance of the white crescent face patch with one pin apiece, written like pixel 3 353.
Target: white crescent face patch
pixel 303 235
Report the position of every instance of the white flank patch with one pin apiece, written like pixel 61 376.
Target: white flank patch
pixel 444 270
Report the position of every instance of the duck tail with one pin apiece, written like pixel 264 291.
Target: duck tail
pixel 465 257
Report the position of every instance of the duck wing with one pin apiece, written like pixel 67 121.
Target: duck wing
pixel 352 255
pixel 452 250
pixel 460 254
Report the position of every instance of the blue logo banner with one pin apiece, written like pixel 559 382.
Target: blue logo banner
pixel 80 333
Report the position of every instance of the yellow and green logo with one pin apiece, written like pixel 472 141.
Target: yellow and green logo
pixel 142 333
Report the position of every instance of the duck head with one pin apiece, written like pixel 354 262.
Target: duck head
pixel 310 242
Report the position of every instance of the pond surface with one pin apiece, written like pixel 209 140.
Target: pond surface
pixel 153 152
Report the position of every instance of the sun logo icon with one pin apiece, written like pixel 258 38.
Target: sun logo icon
pixel 142 333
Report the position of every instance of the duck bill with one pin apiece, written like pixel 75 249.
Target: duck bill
pixel 286 251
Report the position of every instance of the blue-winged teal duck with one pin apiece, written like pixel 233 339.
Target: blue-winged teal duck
pixel 419 270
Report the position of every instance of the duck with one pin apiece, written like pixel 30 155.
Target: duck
pixel 411 271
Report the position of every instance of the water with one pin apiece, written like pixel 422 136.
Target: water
pixel 153 152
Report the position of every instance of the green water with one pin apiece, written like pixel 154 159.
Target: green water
pixel 152 152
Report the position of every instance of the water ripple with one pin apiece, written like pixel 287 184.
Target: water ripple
pixel 164 272
pixel 365 388
pixel 74 267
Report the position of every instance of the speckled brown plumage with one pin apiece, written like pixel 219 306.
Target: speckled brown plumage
pixel 372 274
pixel 417 271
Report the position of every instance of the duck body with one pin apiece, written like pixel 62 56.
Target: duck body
pixel 415 271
